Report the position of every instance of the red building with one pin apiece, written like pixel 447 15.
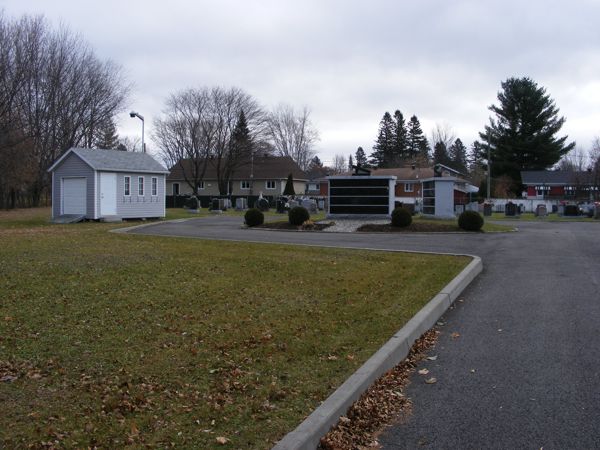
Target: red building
pixel 561 185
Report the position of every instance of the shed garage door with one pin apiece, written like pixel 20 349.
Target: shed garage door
pixel 74 195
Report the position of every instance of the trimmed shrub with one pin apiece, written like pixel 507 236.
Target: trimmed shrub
pixel 470 221
pixel 401 217
pixel 254 217
pixel 298 215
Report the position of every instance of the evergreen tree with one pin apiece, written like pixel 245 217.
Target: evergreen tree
pixel 107 138
pixel 350 163
pixel 315 163
pixel 400 144
pixel 417 145
pixel 458 156
pixel 289 186
pixel 384 144
pixel 361 157
pixel 238 153
pixel 440 154
pixel 523 134
pixel 241 141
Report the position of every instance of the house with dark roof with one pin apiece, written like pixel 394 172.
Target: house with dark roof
pixel 316 181
pixel 561 185
pixel 264 174
pixel 102 184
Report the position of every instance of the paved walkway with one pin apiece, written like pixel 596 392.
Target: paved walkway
pixel 525 370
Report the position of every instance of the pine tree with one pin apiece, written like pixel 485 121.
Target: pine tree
pixel 315 163
pixel 523 134
pixel 384 144
pixel 400 144
pixel 440 154
pixel 241 141
pixel 350 163
pixel 361 157
pixel 417 147
pixel 238 153
pixel 107 139
pixel 458 156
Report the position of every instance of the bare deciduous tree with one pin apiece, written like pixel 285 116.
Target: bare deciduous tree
pixel 576 160
pixel 292 134
pixel 442 133
pixel 54 93
pixel 197 127
pixel 339 165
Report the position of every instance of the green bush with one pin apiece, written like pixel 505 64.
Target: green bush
pixel 254 217
pixel 298 215
pixel 470 221
pixel 401 217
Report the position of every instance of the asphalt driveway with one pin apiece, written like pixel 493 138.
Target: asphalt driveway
pixel 518 361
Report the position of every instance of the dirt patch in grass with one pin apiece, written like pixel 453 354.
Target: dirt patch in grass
pixel 285 225
pixel 418 227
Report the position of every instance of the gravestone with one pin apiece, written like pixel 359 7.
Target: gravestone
pixel 541 211
pixel 241 204
pixel 510 210
pixel 262 204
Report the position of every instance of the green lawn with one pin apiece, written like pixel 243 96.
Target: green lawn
pixel 487 226
pixel 111 340
pixel 553 217
pixel 271 215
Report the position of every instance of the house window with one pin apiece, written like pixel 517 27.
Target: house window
pixel 154 186
pixel 141 186
pixel 175 188
pixel 200 185
pixel 313 186
pixel 244 185
pixel 127 186
pixel 270 184
pixel 408 187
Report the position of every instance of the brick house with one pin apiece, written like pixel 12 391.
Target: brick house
pixel 561 185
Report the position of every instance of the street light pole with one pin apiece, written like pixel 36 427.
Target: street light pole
pixel 489 164
pixel 133 114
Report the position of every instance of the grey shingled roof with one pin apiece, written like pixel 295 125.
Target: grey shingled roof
pixel 263 168
pixel 119 161
pixel 555 177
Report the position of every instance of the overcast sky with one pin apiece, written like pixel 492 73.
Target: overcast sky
pixel 348 61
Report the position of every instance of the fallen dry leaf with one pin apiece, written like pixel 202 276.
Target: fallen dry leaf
pixel 455 335
pixel 431 380
pixel 432 358
pixel 380 405
pixel 222 440
pixel 423 372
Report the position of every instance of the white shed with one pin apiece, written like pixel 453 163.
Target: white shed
pixel 107 184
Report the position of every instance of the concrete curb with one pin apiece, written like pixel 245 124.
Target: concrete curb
pixel 126 230
pixel 307 435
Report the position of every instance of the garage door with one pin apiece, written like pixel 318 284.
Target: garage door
pixel 74 193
